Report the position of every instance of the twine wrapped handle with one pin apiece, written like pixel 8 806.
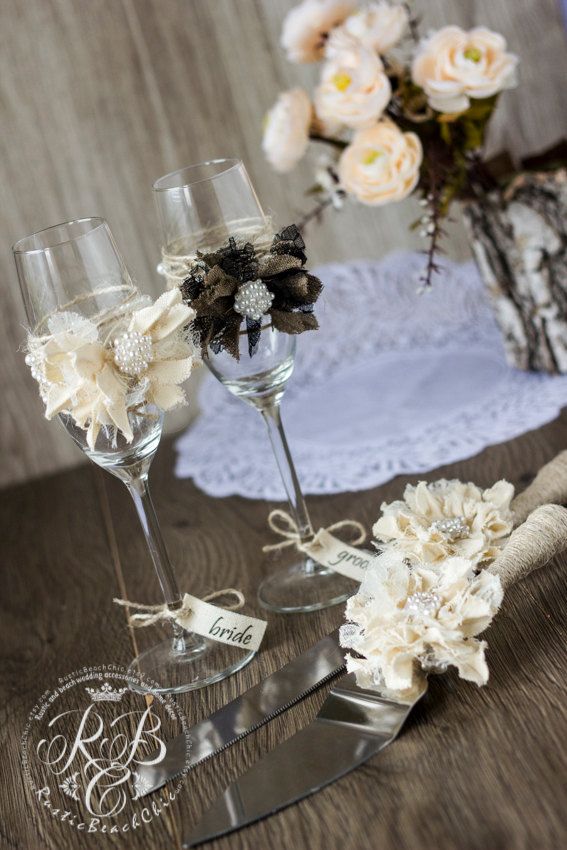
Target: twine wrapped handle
pixel 285 526
pixel 539 539
pixel 151 614
pixel 549 486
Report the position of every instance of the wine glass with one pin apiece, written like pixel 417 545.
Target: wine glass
pixel 200 208
pixel 74 269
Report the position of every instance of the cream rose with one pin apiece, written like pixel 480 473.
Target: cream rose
pixel 452 66
pixel 307 26
pixel 381 165
pixel 286 133
pixel 354 89
pixel 378 26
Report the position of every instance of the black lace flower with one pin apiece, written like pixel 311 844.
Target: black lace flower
pixel 215 279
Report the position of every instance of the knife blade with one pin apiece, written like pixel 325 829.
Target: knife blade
pixel 248 712
pixel 352 725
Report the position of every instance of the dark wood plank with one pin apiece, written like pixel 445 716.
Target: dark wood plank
pixel 474 769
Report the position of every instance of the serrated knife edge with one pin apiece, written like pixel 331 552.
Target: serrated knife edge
pixel 223 723
pixel 272 716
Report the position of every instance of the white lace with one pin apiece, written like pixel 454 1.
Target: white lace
pixel 393 383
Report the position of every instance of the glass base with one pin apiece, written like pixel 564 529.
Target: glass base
pixel 189 663
pixel 303 587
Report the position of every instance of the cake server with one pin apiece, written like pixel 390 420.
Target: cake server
pixel 248 712
pixel 351 727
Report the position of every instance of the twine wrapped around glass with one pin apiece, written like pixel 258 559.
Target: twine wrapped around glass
pixel 109 362
pixel 213 207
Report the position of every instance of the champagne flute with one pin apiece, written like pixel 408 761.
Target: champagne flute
pixel 74 272
pixel 200 207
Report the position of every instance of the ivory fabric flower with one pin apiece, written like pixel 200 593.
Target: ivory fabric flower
pixel 94 380
pixel 378 26
pixel 381 164
pixel 354 89
pixel 286 131
pixel 172 356
pixel 76 376
pixel 307 26
pixel 452 66
pixel 447 518
pixel 408 617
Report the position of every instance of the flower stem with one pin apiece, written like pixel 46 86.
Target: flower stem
pixel 314 213
pixel 315 137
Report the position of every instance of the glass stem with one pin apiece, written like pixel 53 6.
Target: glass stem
pixel 138 488
pixel 298 508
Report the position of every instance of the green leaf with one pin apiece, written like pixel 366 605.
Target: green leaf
pixel 445 132
pixel 481 109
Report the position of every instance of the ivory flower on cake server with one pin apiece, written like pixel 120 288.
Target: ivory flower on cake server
pixel 96 379
pixel 447 518
pixel 410 617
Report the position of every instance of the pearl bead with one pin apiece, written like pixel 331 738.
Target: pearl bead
pixel 253 299
pixel 133 353
pixel 452 528
pixel 35 365
pixel 423 604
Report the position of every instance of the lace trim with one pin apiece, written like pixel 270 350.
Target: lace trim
pixel 445 340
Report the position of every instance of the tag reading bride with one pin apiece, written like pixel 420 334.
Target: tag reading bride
pixel 221 625
pixel 331 552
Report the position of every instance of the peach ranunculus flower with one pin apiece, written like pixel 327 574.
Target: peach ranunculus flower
pixel 452 66
pixel 378 26
pixel 307 26
pixel 286 129
pixel 381 164
pixel 354 89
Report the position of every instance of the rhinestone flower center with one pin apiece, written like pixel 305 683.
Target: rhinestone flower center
pixel 33 360
pixel 253 299
pixel 423 603
pixel 452 528
pixel 133 353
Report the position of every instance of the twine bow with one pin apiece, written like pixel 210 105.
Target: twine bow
pixel 285 526
pixel 151 614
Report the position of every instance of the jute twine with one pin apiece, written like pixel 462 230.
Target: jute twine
pixel 132 299
pixel 539 539
pixel 549 486
pixel 149 615
pixel 285 526
pixel 176 263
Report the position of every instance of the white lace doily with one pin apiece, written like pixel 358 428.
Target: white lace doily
pixel 393 383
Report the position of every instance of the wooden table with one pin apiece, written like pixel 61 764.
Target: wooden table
pixel 474 768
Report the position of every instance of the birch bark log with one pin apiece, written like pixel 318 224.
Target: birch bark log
pixel 519 241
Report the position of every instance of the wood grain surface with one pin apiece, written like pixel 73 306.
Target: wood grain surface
pixel 475 769
pixel 99 98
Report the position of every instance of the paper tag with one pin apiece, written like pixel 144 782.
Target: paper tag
pixel 224 626
pixel 331 552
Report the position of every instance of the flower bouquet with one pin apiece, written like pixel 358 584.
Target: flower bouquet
pixel 398 120
pixel 400 113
